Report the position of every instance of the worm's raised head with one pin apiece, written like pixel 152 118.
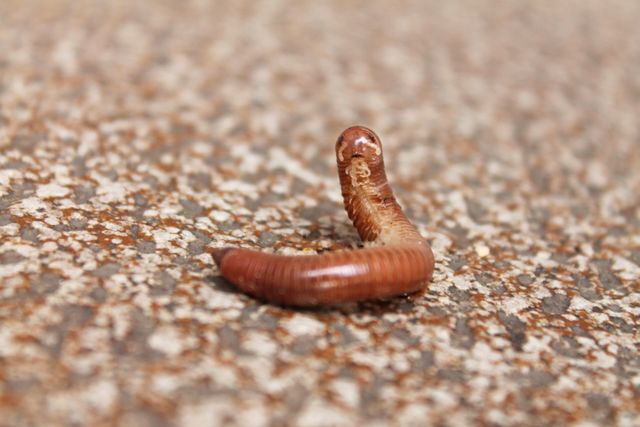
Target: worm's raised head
pixel 358 141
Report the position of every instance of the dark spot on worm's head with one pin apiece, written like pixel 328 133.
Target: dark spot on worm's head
pixel 358 141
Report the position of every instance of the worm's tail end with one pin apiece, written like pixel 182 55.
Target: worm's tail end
pixel 218 254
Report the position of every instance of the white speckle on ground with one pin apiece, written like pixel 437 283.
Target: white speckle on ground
pixel 260 345
pixel 347 392
pixel 163 238
pixel 102 395
pixel 52 190
pixel 318 413
pixel 514 305
pixel 482 250
pixel 220 216
pixel 111 192
pixel 170 341
pixel 301 324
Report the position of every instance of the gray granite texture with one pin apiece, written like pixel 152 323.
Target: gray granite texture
pixel 135 135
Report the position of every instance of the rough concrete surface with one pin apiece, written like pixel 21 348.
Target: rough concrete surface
pixel 135 135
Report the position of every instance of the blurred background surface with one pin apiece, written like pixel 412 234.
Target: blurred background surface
pixel 135 134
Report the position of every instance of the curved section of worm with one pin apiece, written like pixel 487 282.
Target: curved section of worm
pixel 399 260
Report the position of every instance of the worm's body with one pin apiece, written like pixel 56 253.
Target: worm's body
pixel 401 263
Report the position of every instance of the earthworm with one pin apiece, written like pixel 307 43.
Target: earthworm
pixel 396 258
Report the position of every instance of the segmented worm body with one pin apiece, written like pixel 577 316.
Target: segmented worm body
pixel 397 259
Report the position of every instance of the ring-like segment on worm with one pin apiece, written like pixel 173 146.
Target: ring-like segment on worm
pixel 397 259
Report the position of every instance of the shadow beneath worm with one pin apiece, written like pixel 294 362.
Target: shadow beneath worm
pixel 221 284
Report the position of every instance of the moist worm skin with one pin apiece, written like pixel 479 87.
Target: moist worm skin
pixel 398 260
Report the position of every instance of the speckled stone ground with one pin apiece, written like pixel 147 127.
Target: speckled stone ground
pixel 134 135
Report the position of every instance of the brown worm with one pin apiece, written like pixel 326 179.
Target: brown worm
pixel 400 262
